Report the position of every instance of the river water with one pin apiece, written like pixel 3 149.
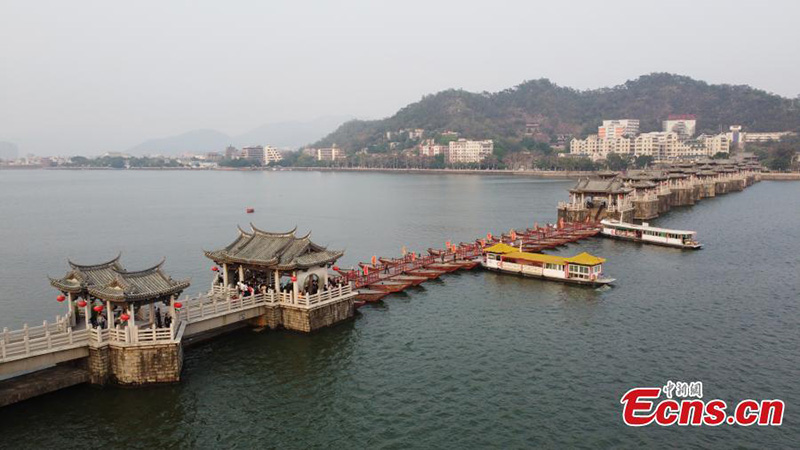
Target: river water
pixel 474 360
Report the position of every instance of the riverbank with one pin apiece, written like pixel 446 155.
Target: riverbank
pixel 559 174
pixel 556 174
pixel 529 173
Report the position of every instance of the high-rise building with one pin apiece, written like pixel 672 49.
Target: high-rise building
pixel 618 128
pixel 466 151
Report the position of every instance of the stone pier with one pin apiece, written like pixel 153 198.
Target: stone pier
pixel 682 196
pixel 645 209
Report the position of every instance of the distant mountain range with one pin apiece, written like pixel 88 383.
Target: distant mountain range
pixel 542 110
pixel 283 135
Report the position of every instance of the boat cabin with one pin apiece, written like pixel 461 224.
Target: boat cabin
pixel 583 268
pixel 647 234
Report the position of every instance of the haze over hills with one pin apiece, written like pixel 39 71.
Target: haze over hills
pixel 562 110
pixel 291 134
pixel 8 150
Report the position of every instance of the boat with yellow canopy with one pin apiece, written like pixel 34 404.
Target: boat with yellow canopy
pixel 582 269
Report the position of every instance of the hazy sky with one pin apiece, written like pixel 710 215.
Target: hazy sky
pixel 90 76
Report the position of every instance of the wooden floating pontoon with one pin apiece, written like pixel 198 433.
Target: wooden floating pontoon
pixel 382 276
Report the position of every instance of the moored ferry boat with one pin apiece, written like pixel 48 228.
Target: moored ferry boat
pixel 582 269
pixel 650 235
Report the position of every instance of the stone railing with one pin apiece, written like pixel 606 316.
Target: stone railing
pixel 645 197
pixel 325 296
pixel 204 307
pixel 571 206
pixel 46 338
pixel 134 335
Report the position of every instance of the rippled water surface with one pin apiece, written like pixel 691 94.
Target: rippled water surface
pixel 472 360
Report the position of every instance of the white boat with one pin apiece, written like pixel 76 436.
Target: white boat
pixel 582 269
pixel 646 234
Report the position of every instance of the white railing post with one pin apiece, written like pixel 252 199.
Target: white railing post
pixel 26 339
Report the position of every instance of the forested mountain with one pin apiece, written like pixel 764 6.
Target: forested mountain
pixel 557 110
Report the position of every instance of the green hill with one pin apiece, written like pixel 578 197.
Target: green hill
pixel 565 111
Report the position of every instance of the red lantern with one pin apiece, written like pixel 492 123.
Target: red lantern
pixel 61 298
pixel 178 305
pixel 215 269
pixel 81 303
pixel 336 268
pixel 124 317
pixel 98 308
pixel 294 279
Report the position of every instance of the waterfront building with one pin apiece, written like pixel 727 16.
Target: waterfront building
pixel 333 153
pixel 660 145
pixel 467 151
pixel 618 128
pixel 212 157
pixel 271 155
pixel 231 152
pixel 430 148
pixel 253 153
pixel 597 149
pixel 684 125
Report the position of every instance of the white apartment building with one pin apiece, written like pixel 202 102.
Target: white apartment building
pixel 766 137
pixel 430 148
pixel 596 149
pixel 466 151
pixel 659 145
pixel 618 128
pixel 713 144
pixel 329 154
pixel 271 154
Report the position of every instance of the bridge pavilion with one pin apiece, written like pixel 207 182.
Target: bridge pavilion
pixel 121 293
pixel 274 262
pixel 290 270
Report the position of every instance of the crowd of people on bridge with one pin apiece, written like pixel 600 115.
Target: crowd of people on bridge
pixel 258 282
